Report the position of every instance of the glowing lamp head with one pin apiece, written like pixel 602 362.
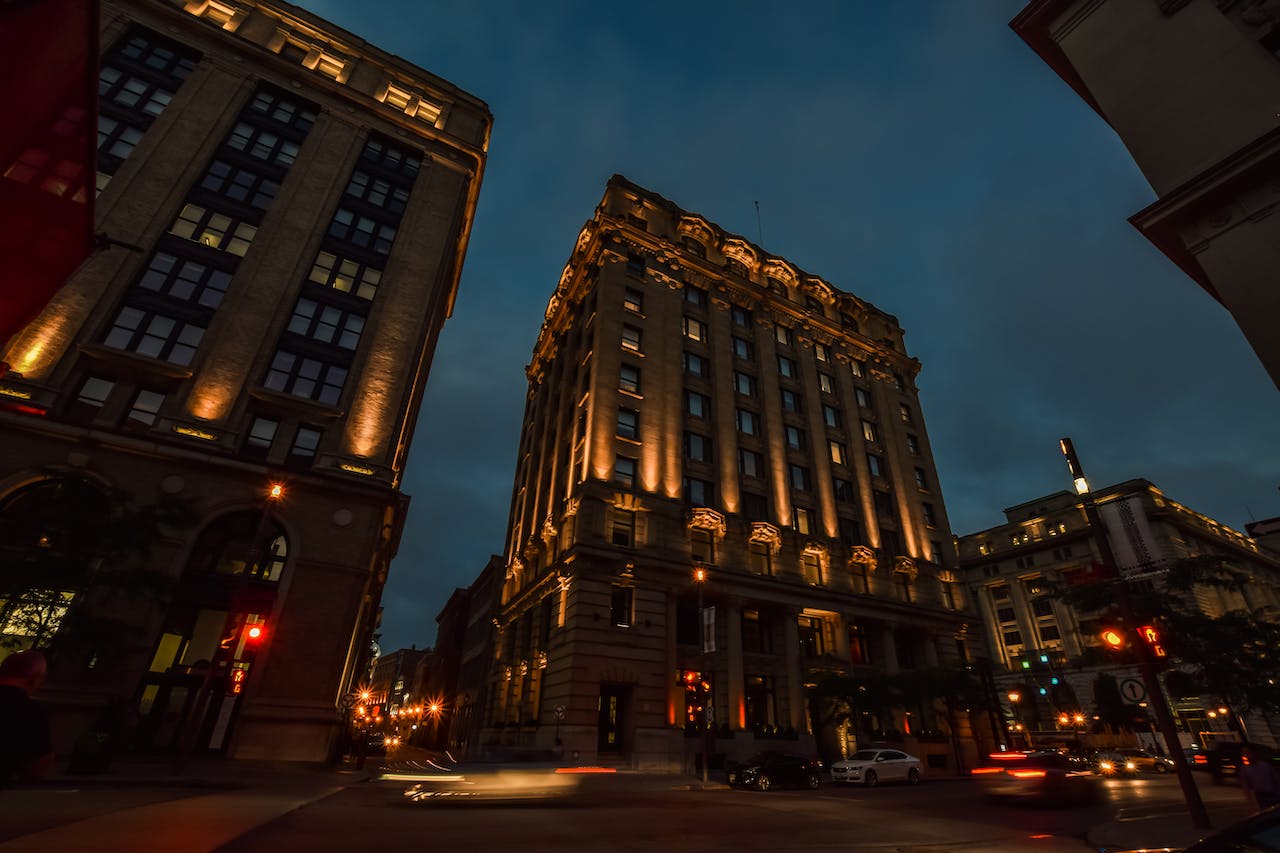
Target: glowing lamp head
pixel 1082 485
pixel 699 575
pixel 1113 639
pixel 276 492
pixel 1015 696
pixel 365 696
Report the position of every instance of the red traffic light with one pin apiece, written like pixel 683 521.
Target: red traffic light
pixel 255 633
pixel 1152 638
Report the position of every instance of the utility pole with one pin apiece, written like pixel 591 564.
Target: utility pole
pixel 1146 661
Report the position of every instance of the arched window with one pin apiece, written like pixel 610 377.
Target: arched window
pixel 243 544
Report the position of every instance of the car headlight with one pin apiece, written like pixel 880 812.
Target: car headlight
pixel 1129 765
pixel 1104 765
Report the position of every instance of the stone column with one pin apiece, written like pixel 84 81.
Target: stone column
pixel 675 692
pixel 842 638
pixel 889 648
pixel 771 416
pixel 795 690
pixel 737 696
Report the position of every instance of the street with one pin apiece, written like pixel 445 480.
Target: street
pixel 625 813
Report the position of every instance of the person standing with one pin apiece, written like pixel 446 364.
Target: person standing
pixel 1259 778
pixel 26 747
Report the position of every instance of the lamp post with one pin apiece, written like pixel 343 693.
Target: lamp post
pixel 699 580
pixel 1015 698
pixel 1146 661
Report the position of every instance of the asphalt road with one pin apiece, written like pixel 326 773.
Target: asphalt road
pixel 645 814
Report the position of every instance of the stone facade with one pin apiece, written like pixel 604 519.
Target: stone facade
pixel 696 404
pixel 291 207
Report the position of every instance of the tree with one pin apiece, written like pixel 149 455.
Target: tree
pixel 73 549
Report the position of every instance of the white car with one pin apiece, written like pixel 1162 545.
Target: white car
pixel 870 767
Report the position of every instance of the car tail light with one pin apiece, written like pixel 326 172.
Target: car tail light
pixel 983 771
pixel 1008 756
pixel 1027 774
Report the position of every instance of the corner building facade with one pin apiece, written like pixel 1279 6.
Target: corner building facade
pixel 297 205
pixel 697 404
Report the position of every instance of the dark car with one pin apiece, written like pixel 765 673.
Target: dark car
pixel 1048 778
pixel 768 770
pixel 1260 832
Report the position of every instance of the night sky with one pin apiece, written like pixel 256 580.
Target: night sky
pixel 918 155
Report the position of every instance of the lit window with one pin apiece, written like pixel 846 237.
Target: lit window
pixel 629 378
pixel 904 411
pixel 838 453
pixel 826 383
pixel 869 432
pixel 782 335
pixel 213 229
pixel 811 565
pixel 859 368
pixel 633 300
pixel 821 353
pixel 631 338
pixel 804 520
pixel 346 275
pixel 694 330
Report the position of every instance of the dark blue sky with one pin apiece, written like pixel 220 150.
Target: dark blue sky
pixel 916 154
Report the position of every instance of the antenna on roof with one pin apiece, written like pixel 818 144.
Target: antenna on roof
pixel 759 227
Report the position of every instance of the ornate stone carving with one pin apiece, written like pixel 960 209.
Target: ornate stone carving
pixel 571 507
pixel 765 533
pixel 524 668
pixel 905 566
pixel 515 569
pixel 819 289
pixel 707 519
pixel 781 270
pixel 863 556
pixel 548 529
pixel 541 660
pixel 565 581
pixel 740 251
pixel 626 501
pixel 696 227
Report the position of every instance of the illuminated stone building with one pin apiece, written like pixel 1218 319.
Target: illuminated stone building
pixel 291 207
pixel 1013 570
pixel 696 403
pixel 1187 86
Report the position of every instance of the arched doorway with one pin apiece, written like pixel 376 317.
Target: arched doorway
pixel 214 630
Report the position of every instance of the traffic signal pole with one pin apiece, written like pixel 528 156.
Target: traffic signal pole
pixel 1146 659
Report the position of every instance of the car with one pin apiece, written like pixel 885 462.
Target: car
pixel 1145 762
pixel 1044 777
pixel 872 766
pixel 767 770
pixel 1256 833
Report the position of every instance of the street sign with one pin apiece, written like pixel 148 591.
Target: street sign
pixel 348 701
pixel 558 712
pixel 1133 690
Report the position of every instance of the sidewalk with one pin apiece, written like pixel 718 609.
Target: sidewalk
pixel 141 805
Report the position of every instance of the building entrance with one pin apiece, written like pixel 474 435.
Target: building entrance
pixel 612 713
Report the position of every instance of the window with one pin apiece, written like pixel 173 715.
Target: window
pixel 262 144
pixel 795 437
pixel 755 507
pixel 362 231
pixel 744 384
pixel 848 531
pixel 883 503
pixel 629 378
pixel 378 192
pixel 760 558
pixel 831 416
pixel 262 434
pixel 898 382
pixel 635 265
pixel 858 368
pixel 782 335
pixel 839 455
pixel 813 304
pixel 756 637
pixel 694 330
pixel 699 492
pixel 624 471
pixel 620 606
pixel 306 377
pixel 215 230
pixel 144 410
pixel 810 636
pixel 138 79
pixel 186 280
pixel 822 353
pixel 826 384
pixel 799 477
pixel 346 275
pixel 696 365
pixel 93 395
pixel 240 185
pixel 628 423
pixel 930 515
pixel 922 482
pixel 862 397
pixel 811 567
pixel 694 246
pixel 876 464
pixel 695 296
pixel 154 335
pixel 787 367
pixel 326 324
pixel 904 411
pixel 843 490
pixel 633 300
pixel 742 349
pixel 697 448
pixel 750 463
pixel 790 401
pixel 701 546
pixel 748 422
pixel 804 521
pixel 623 528
pixel 697 405
pixel 631 338
pixel 740 317
pixel 913 445
pixel 305 443
pixel 869 432
pixel 297 116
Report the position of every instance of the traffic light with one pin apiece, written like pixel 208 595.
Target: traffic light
pixel 1151 637
pixel 1112 638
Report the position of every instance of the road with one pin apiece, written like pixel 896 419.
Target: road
pixel 645 814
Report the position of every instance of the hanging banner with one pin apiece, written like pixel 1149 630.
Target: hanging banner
pixel 1135 548
pixel 709 629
